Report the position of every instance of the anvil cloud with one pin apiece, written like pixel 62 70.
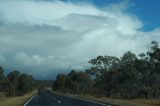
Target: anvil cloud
pixel 44 38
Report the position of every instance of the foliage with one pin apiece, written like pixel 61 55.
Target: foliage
pixel 126 77
pixel 74 82
pixel 16 83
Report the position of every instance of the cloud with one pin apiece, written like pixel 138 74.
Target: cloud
pixel 44 38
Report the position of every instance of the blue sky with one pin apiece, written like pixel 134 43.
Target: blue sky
pixel 46 37
pixel 148 11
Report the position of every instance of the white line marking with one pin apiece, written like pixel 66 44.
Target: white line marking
pixel 59 101
pixel 29 100
pixel 87 100
pixel 90 101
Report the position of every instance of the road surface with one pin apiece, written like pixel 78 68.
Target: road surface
pixel 47 98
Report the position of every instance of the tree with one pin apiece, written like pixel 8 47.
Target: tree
pixel 14 80
pixel 74 82
pixel 153 73
pixel 1 71
pixel 102 64
pixel 127 66
pixel 5 85
pixel 154 56
pixel 127 77
pixel 26 84
pixel 101 67
pixel 81 80
pixel 59 84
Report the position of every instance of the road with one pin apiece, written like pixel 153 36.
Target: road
pixel 47 98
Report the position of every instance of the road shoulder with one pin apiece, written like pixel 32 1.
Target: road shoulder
pixel 118 102
pixel 17 101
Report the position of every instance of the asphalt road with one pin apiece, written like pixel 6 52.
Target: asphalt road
pixel 49 99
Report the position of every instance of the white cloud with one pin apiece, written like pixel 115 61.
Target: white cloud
pixel 42 38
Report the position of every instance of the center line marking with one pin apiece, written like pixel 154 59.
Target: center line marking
pixel 59 101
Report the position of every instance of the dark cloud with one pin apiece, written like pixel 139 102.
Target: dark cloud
pixel 45 38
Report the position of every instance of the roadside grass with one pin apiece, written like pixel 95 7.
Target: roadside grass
pixel 124 102
pixel 154 102
pixel 16 101
pixel 3 95
pixel 118 102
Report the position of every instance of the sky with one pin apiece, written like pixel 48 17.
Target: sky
pixel 47 37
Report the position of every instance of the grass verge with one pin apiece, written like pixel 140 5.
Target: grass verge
pixel 118 102
pixel 16 101
pixel 124 102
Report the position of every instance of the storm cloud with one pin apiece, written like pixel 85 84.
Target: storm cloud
pixel 44 38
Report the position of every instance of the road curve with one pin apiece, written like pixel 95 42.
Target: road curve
pixel 47 98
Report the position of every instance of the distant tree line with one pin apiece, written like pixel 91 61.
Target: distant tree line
pixel 126 77
pixel 44 84
pixel 16 83
pixel 74 82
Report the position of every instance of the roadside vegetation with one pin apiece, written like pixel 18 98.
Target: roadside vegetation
pixel 16 83
pixel 122 102
pixel 128 80
pixel 16 100
pixel 16 88
pixel 115 101
pixel 127 77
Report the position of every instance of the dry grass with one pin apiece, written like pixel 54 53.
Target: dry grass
pixel 119 102
pixel 124 102
pixel 16 101
pixel 153 102
pixel 2 96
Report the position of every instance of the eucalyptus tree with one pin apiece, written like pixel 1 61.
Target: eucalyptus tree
pixel 101 67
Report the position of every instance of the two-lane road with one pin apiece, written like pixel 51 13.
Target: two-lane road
pixel 49 99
